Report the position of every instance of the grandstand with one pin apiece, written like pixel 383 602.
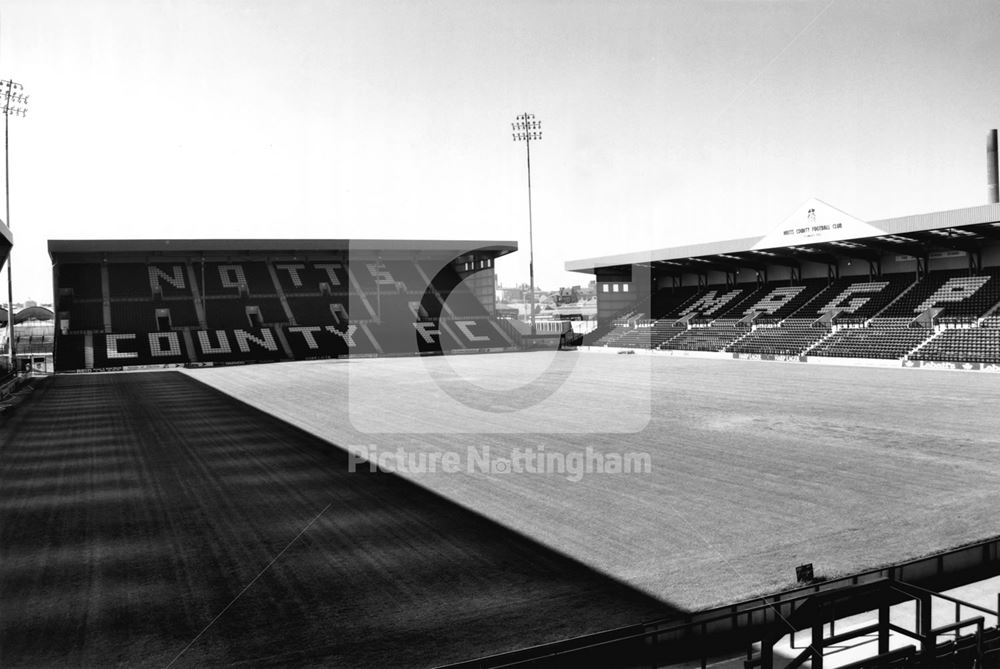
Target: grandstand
pixel 123 304
pixel 33 334
pixel 916 289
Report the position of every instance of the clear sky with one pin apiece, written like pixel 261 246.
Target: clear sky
pixel 665 122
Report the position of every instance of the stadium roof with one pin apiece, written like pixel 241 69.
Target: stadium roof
pixel 27 314
pixel 818 232
pixel 179 246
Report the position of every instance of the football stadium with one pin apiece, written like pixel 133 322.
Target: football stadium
pixel 771 452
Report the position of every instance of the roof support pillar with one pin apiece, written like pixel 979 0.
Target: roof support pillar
pixel 975 261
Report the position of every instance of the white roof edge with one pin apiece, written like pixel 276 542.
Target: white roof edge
pixel 950 218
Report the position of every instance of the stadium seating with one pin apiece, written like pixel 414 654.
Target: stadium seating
pixel 133 316
pixel 86 315
pixel 920 296
pixel 327 341
pixel 237 345
pixel 653 335
pixel 662 332
pixel 870 342
pixel 714 338
pixel 669 301
pixel 713 302
pixel 612 336
pixel 222 313
pixel 466 333
pixel 637 337
pixel 84 279
pixel 245 311
pixel 33 339
pixel 129 280
pixel 781 301
pixel 321 310
pixel 792 338
pixel 854 300
pixel 393 310
pixel 406 273
pixel 182 311
pixel 234 278
pixel 296 277
pixel 169 279
pixel 146 348
pixel 984 293
pixel 795 319
pixel 991 322
pixel 33 344
pixel 981 344
pixel 69 352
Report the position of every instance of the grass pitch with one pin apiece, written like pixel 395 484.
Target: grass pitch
pixel 756 467
pixel 148 520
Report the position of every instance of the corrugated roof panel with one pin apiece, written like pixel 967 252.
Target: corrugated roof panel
pixel 892 227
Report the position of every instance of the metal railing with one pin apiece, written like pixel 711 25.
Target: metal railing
pixel 699 633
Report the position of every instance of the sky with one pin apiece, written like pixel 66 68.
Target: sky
pixel 664 122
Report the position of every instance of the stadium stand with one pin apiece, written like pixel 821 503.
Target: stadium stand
pixel 33 338
pixel 848 317
pixel 219 302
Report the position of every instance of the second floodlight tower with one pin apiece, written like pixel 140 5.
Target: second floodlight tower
pixel 528 129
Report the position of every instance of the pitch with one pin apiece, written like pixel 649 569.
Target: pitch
pixel 148 520
pixel 756 467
